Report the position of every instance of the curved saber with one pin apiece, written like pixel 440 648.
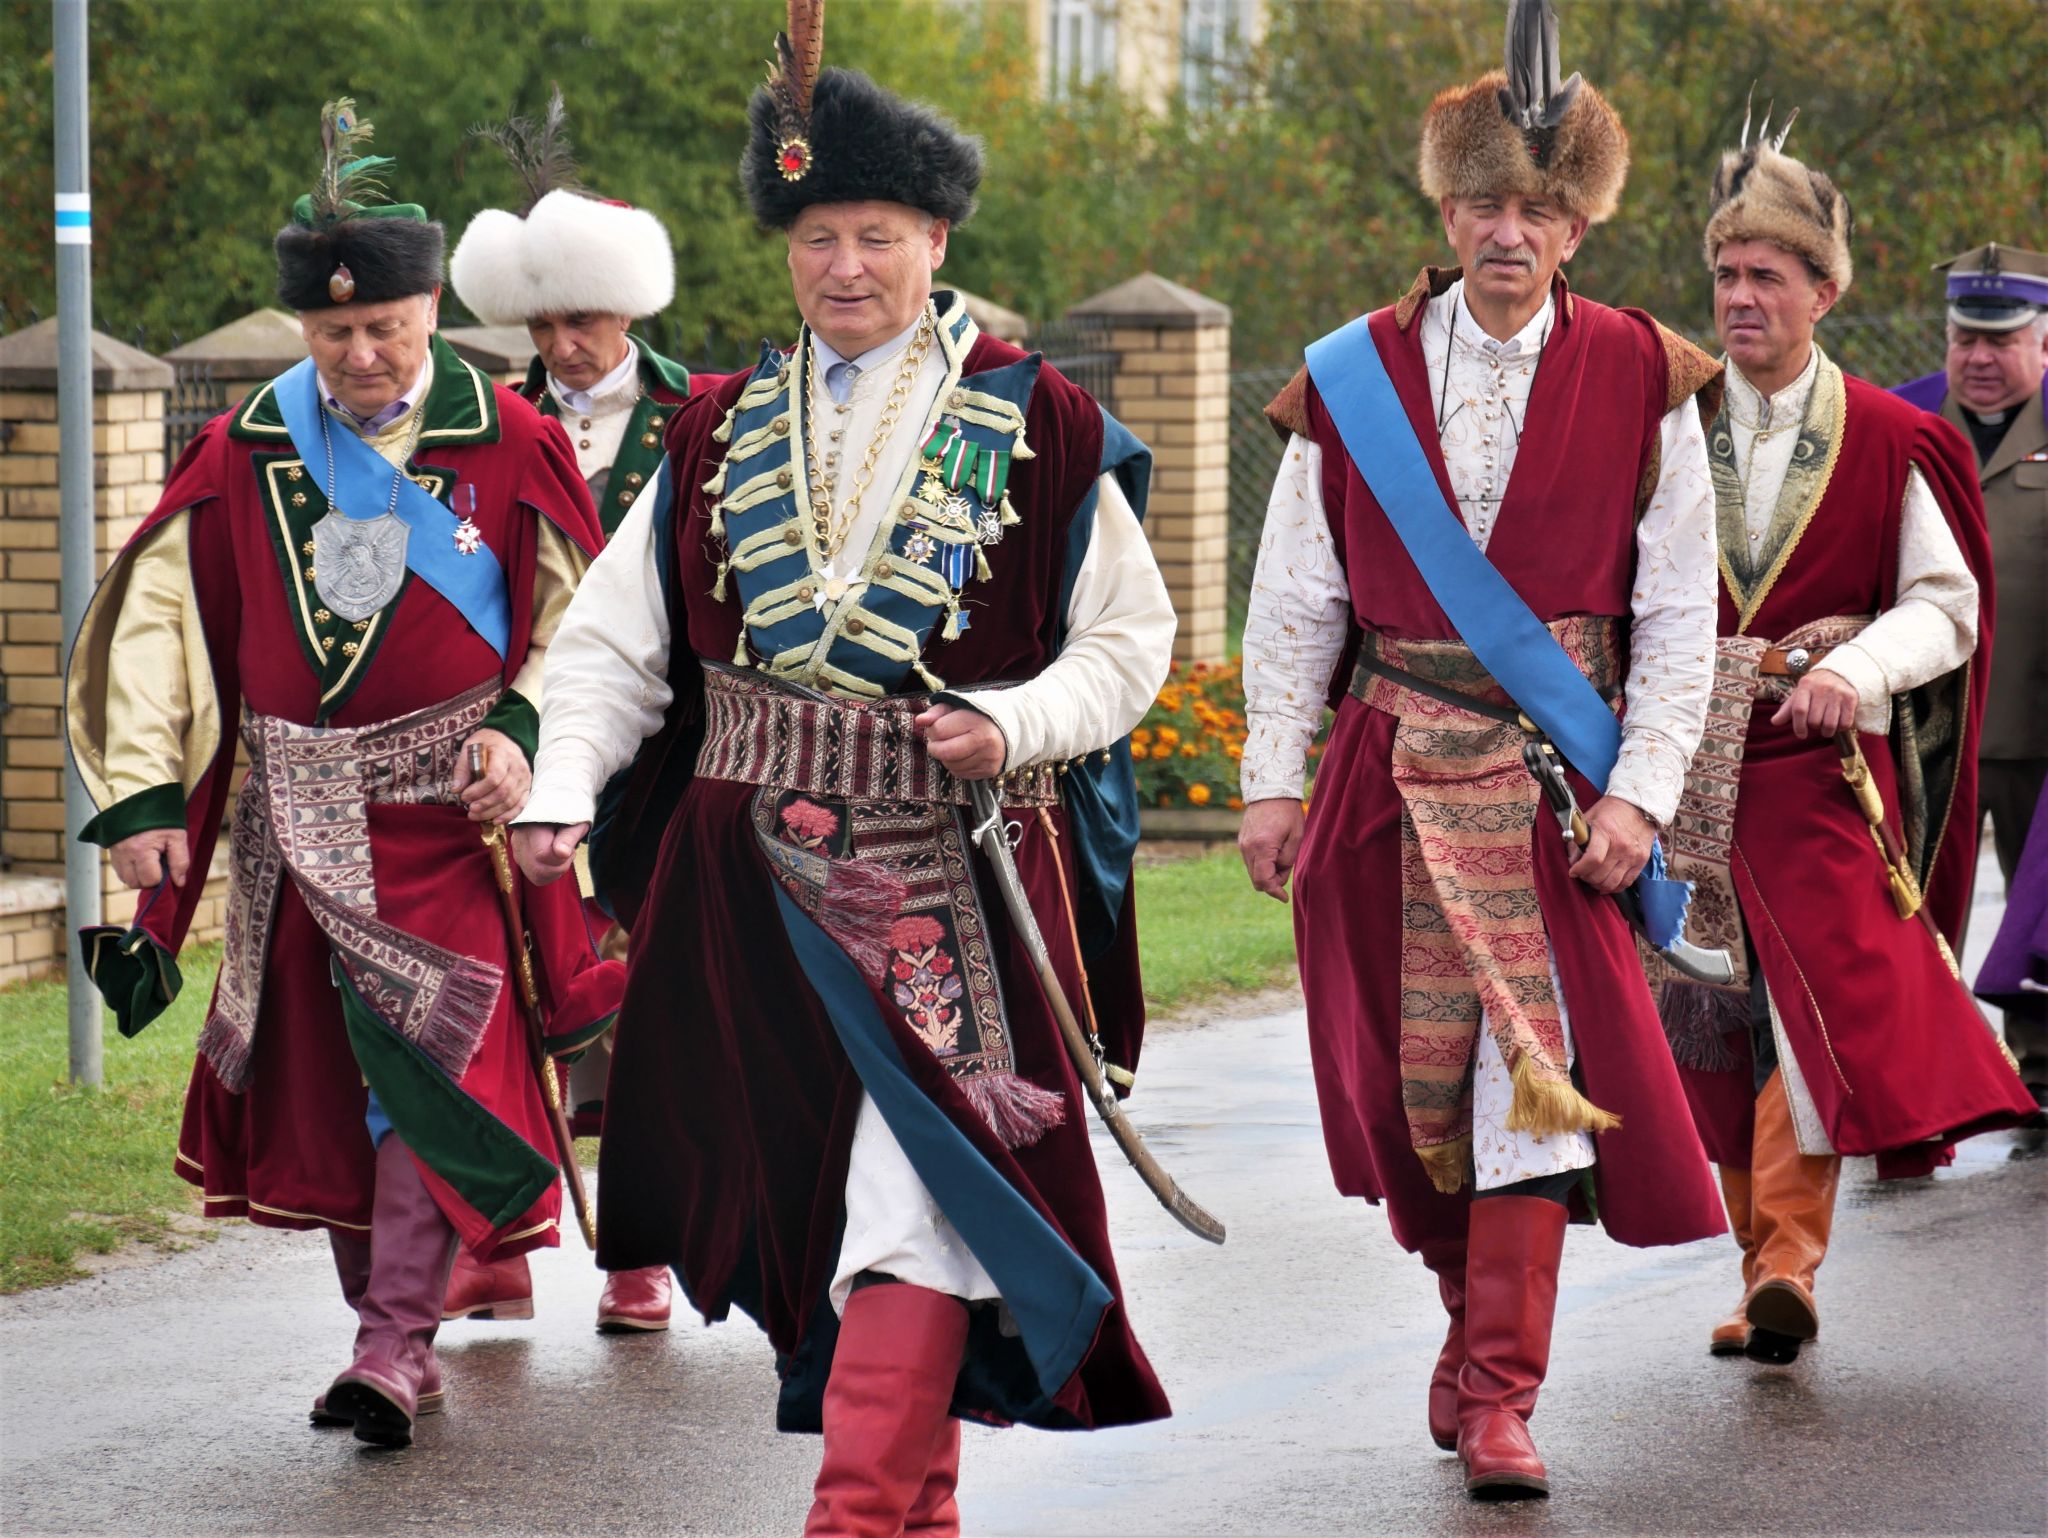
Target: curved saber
pixel 988 833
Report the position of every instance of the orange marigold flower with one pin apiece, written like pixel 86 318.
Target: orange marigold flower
pixel 1198 795
pixel 1236 751
pixel 1161 750
pixel 1142 737
pixel 1235 803
pixel 1189 750
pixel 1169 736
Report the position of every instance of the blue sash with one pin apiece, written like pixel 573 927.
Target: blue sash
pixel 474 583
pixel 1489 616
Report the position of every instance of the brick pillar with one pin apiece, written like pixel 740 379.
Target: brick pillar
pixel 128 446
pixel 1173 390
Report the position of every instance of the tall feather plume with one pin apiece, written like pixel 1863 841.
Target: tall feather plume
pixel 349 179
pixel 1763 133
pixel 1534 101
pixel 793 75
pixel 540 153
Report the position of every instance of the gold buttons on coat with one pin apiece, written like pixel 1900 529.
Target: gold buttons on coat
pixel 792 536
pixel 583 443
pixel 634 478
pixel 299 500
pixel 780 426
pixel 650 440
pixel 625 499
pixel 654 423
pixel 855 625
pixel 783 478
pixel 306 548
pixel 295 474
pixel 309 574
pixel 321 616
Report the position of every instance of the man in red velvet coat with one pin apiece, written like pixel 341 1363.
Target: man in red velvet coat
pixel 356 572
pixel 577 271
pixel 1855 624
pixel 894 558
pixel 1486 1053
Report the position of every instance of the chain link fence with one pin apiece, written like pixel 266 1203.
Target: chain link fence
pixel 1885 349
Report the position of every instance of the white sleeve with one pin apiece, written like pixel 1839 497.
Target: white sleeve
pixel 1931 627
pixel 1119 644
pixel 1676 612
pixel 607 674
pixel 1293 631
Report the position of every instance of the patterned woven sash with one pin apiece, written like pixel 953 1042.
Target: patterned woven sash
pixel 864 833
pixel 1472 937
pixel 1698 1016
pixel 304 813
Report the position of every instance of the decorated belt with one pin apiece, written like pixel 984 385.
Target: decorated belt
pixel 762 731
pixel 1448 673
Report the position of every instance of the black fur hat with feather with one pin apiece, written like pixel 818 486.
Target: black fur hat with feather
pixel 345 245
pixel 834 136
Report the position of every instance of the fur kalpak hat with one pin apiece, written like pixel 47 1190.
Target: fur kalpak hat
pixel 1521 130
pixel 341 248
pixel 567 251
pixel 1761 193
pixel 837 137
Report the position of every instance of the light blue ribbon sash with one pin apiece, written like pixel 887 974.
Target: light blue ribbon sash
pixel 1489 616
pixel 474 584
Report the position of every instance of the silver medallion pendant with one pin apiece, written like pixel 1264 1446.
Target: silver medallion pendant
pixel 359 564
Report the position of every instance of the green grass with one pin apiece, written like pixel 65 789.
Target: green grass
pixel 1203 931
pixel 90 1169
pixel 87 1170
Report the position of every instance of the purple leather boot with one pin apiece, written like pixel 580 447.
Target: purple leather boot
pixel 352 1266
pixel 412 1247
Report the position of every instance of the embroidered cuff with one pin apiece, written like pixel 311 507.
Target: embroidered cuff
pixel 161 806
pixel 515 716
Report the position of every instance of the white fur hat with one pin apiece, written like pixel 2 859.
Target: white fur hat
pixel 571 254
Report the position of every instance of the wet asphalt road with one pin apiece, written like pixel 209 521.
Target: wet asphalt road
pixel 170 1398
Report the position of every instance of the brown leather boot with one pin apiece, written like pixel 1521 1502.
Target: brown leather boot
pixel 1448 1264
pixel 1792 1200
pixel 1510 1300
pixel 1731 1336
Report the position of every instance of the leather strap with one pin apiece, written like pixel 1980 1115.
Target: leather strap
pixel 1791 661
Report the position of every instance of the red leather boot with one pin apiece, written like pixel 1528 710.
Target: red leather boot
pixel 634 1300
pixel 501 1290
pixel 936 1511
pixel 352 1266
pixel 1448 1263
pixel 1510 1300
pixel 886 1426
pixel 412 1247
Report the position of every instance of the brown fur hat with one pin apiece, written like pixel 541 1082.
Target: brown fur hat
pixel 1761 193
pixel 1469 147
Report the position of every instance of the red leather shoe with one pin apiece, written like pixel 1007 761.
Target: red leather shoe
pixel 501 1290
pixel 1510 1300
pixel 634 1300
pixel 886 1419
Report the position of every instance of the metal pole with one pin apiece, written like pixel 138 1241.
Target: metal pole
pixel 74 492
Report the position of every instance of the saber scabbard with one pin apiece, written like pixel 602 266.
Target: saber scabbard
pixel 531 1010
pixel 989 833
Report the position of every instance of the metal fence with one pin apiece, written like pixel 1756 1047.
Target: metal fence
pixel 1886 349
pixel 195 398
pixel 1080 350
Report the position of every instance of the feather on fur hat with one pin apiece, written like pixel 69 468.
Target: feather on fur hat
pixel 1521 129
pixel 567 251
pixel 344 245
pixel 1761 193
pixel 837 137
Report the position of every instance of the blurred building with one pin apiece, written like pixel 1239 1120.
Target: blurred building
pixel 1152 50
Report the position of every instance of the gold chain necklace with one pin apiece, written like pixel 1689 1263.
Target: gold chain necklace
pixel 828 532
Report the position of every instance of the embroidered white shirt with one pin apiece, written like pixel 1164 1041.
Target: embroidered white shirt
pixel 1300 607
pixel 596 419
pixel 1931 627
